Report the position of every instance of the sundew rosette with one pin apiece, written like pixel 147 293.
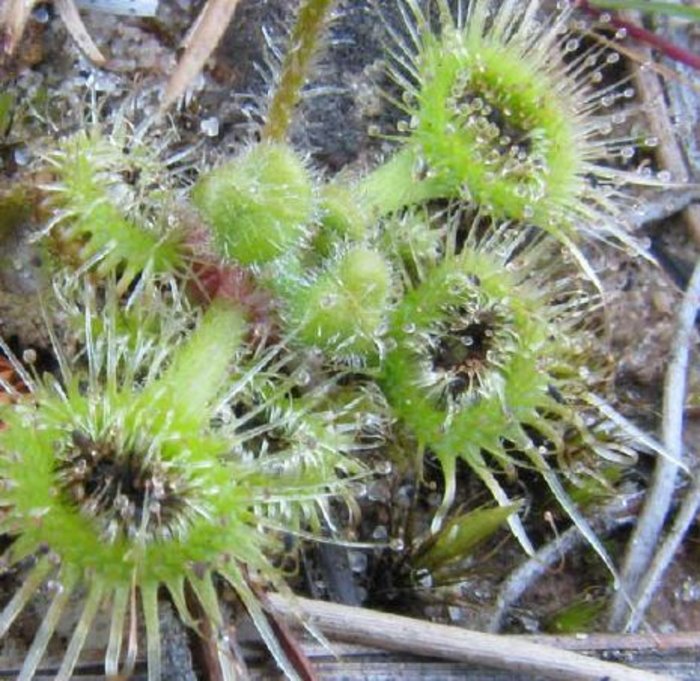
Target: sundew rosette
pixel 490 360
pixel 118 479
pixel 338 306
pixel 504 109
pixel 111 206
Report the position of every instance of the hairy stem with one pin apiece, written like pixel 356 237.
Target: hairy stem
pixel 303 46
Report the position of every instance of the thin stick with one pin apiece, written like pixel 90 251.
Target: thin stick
pixel 669 151
pixel 674 401
pixel 632 643
pixel 661 207
pixel 605 520
pixel 13 18
pixel 404 634
pixel 652 580
pixel 200 42
pixel 71 18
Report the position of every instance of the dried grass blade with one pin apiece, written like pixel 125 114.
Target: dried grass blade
pixel 71 18
pixel 13 19
pixel 200 43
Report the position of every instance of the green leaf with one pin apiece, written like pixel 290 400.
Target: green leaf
pixel 7 104
pixel 576 617
pixel 461 536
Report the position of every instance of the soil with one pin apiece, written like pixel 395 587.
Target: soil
pixel 55 88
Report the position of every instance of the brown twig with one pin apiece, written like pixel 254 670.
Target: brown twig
pixel 404 634
pixel 634 30
pixel 674 402
pixel 200 42
pixel 669 151
pixel 290 645
pixel 14 15
pixel 637 643
pixel 71 18
pixel 13 18
pixel 645 538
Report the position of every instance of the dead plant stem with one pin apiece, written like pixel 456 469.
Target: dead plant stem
pixel 645 537
pixel 418 637
pixel 674 402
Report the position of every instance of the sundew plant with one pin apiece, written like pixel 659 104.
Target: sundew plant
pixel 236 346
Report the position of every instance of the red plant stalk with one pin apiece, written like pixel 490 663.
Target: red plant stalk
pixel 637 32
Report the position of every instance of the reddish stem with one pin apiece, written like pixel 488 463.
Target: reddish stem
pixel 668 48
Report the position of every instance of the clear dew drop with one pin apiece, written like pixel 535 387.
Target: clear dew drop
pixel 302 377
pixel 54 586
pixel 664 176
pixel 29 356
pixel 373 130
pixel 383 468
pixel 358 561
pixel 328 301
pixel 627 152
pixel 612 58
pixel 22 156
pixel 402 126
pixel 397 544
pixel 571 45
pixel 420 167
pixel 209 126
pixel 621 34
pixel 618 118
pixel 380 533
pixel 361 491
pixel 651 141
pixel 409 327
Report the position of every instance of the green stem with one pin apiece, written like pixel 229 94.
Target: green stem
pixel 304 43
pixel 685 11
pixel 398 183
pixel 198 370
